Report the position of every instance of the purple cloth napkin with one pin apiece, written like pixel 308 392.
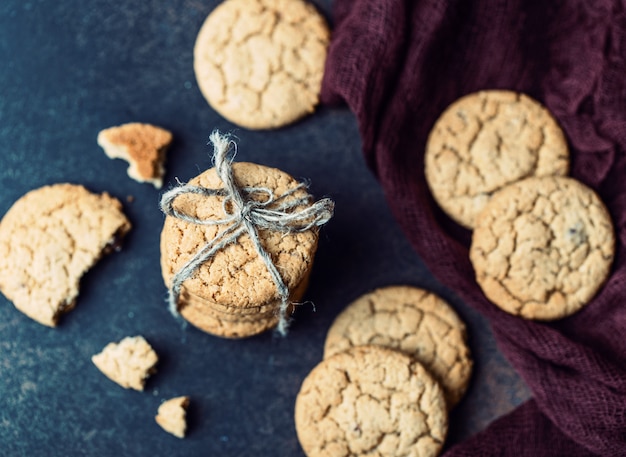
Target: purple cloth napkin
pixel 398 64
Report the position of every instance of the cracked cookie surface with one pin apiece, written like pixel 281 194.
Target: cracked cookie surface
pixel 413 321
pixel 259 63
pixel 370 400
pixel 486 140
pixel 49 238
pixel 543 247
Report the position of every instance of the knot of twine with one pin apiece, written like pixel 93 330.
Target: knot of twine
pixel 243 214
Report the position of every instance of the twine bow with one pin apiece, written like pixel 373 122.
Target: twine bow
pixel 243 214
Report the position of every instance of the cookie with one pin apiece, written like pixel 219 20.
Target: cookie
pixel 543 247
pixel 413 321
pixel 486 140
pixel 259 63
pixel 172 416
pixel 370 400
pixel 236 280
pixel 128 363
pixel 49 238
pixel 204 318
pixel 235 322
pixel 143 146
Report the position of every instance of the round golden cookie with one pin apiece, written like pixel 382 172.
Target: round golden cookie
pixel 49 238
pixel 370 400
pixel 259 63
pixel 235 278
pixel 413 321
pixel 486 140
pixel 543 247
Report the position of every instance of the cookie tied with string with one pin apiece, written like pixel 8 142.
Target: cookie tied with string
pixel 237 245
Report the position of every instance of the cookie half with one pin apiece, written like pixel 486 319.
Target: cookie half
pixel 543 247
pixel 370 400
pixel 486 140
pixel 259 63
pixel 48 239
pixel 413 321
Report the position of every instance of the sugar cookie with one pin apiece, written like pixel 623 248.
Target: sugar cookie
pixel 370 400
pixel 543 247
pixel 486 140
pixel 259 63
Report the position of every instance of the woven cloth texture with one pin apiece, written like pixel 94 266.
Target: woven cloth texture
pixel 398 64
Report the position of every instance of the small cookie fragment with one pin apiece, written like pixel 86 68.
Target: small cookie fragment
pixel 259 63
pixel 486 140
pixel 172 416
pixel 414 321
pixel 49 238
pixel 128 363
pixel 370 400
pixel 543 247
pixel 143 146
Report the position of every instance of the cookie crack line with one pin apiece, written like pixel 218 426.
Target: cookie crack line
pixel 472 141
pixel 379 440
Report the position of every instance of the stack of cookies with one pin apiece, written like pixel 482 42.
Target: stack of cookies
pixel 542 243
pixel 232 293
pixel 395 361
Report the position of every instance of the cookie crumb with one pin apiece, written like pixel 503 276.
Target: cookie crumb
pixel 172 416
pixel 143 146
pixel 128 363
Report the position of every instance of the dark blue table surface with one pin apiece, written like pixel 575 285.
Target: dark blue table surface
pixel 70 68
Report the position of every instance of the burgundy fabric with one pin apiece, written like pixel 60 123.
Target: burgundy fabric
pixel 398 64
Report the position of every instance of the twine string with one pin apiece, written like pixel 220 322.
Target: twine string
pixel 243 214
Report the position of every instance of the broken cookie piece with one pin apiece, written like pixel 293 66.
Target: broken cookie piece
pixel 143 146
pixel 172 416
pixel 49 238
pixel 128 363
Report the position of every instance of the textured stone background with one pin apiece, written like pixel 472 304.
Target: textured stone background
pixel 71 68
